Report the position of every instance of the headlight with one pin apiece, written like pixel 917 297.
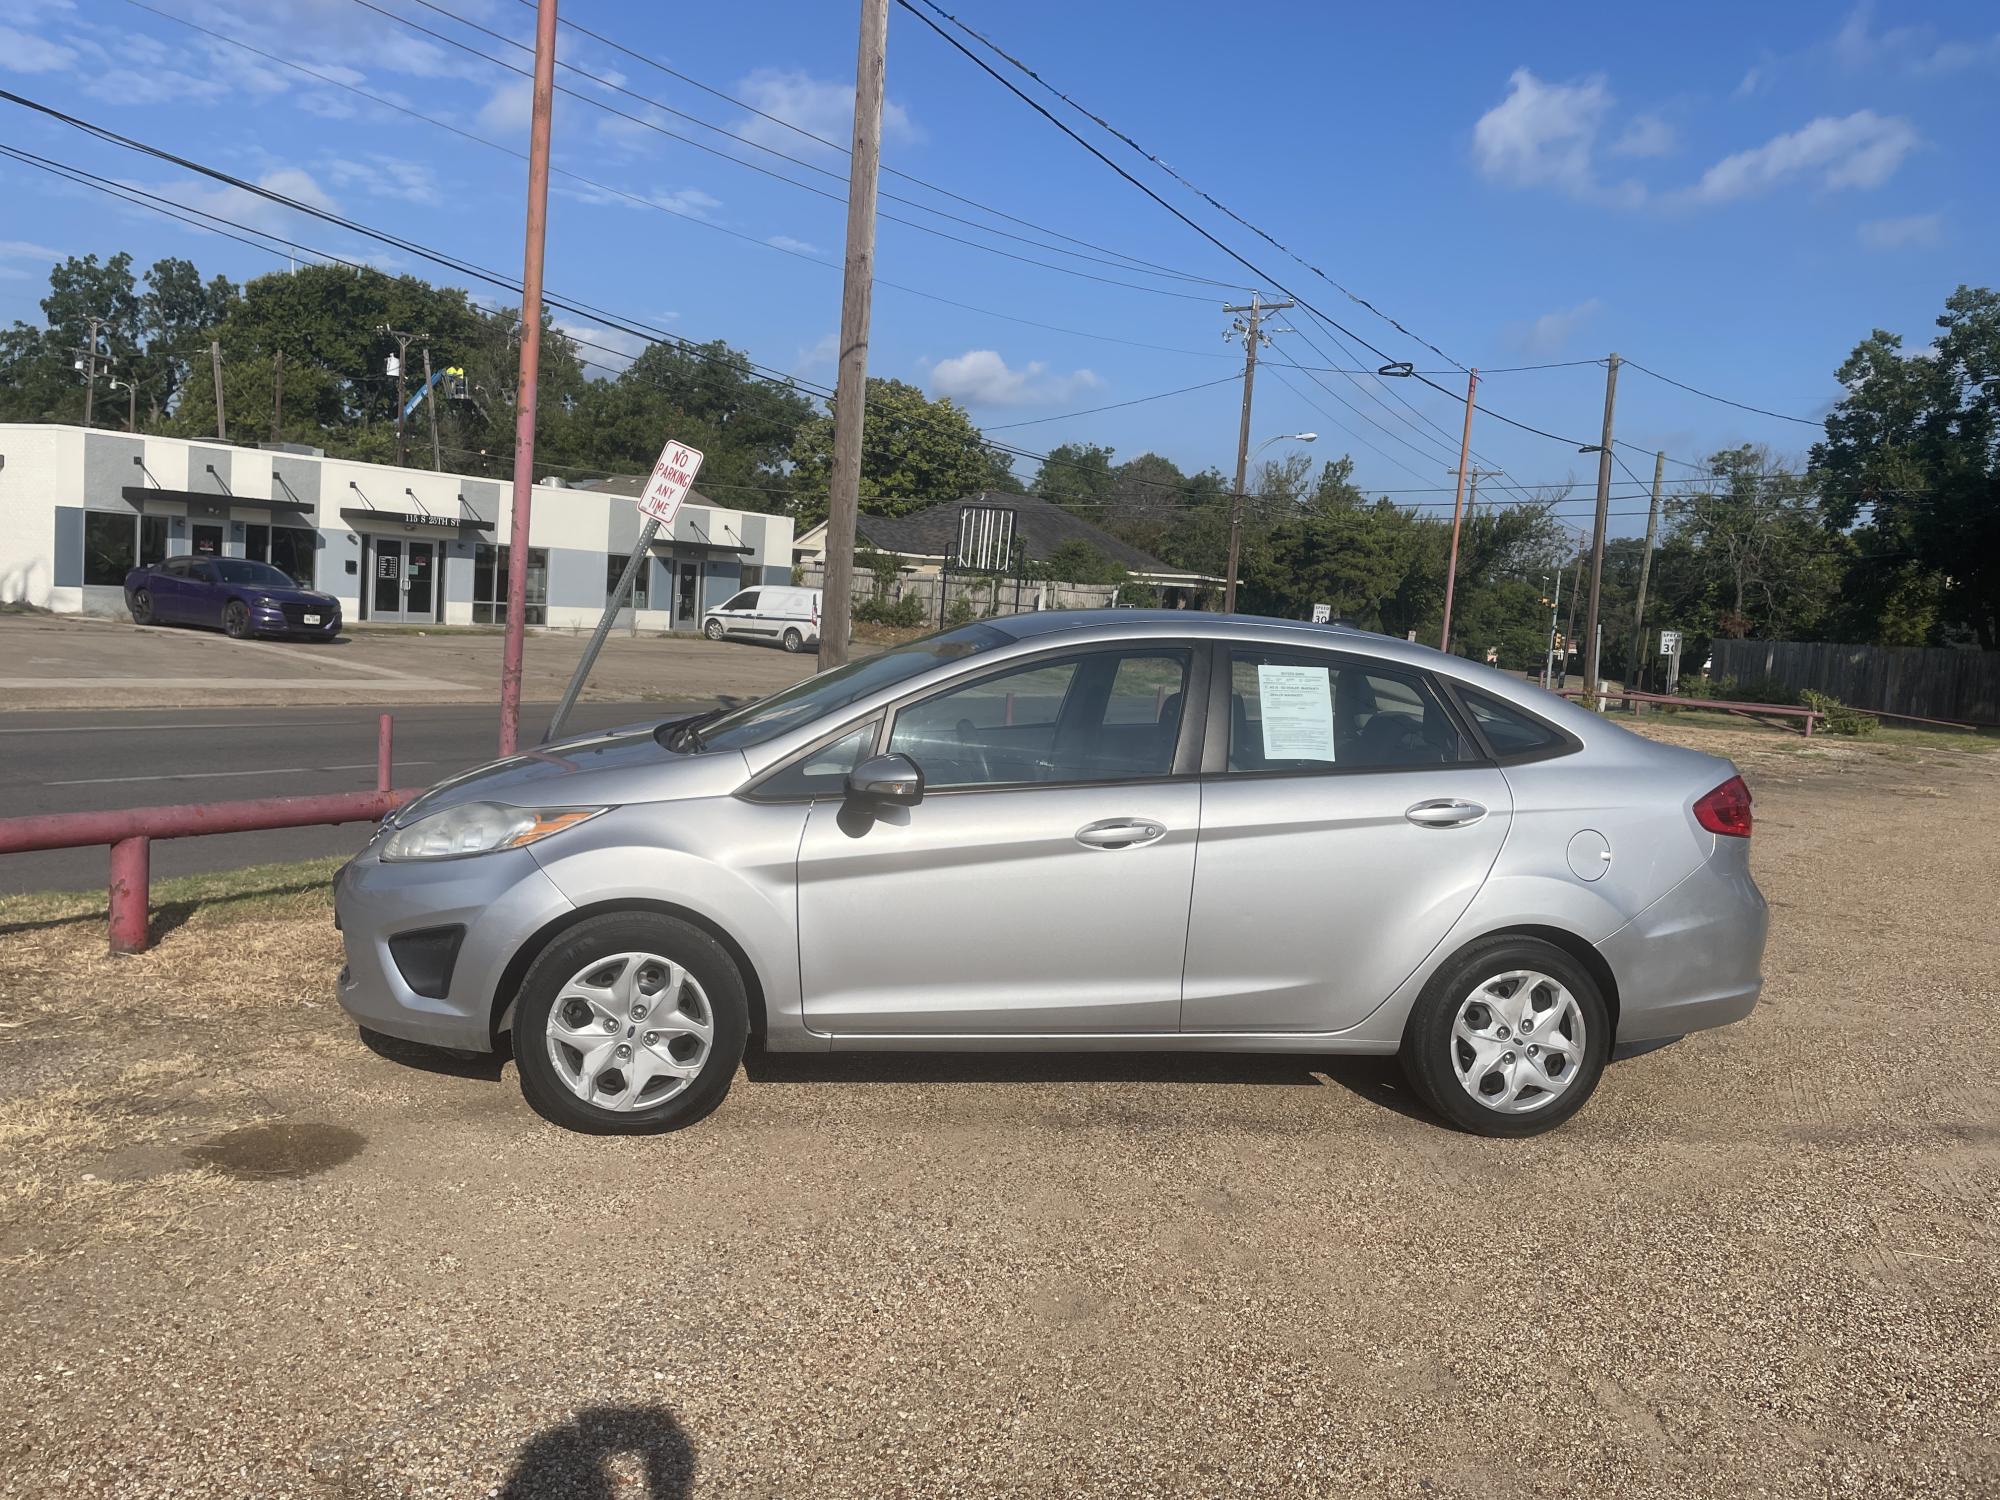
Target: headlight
pixel 481 828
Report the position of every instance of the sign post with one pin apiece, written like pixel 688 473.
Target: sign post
pixel 666 489
pixel 1670 647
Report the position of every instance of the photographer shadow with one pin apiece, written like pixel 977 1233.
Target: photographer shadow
pixel 572 1461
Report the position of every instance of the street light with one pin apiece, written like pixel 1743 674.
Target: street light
pixel 1236 515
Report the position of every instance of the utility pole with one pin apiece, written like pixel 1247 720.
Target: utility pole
pixel 1575 593
pixel 1590 633
pixel 431 406
pixel 527 383
pixel 403 342
pixel 1251 327
pixel 131 401
pixel 215 361
pixel 278 397
pixel 90 370
pixel 1645 574
pixel 857 294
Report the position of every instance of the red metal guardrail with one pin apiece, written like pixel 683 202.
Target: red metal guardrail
pixel 1724 705
pixel 130 832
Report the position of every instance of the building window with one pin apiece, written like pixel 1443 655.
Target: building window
pixel 109 548
pixel 489 585
pixel 642 583
pixel 295 550
pixel 152 540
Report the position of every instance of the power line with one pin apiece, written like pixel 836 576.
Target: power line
pixel 1114 406
pixel 1724 400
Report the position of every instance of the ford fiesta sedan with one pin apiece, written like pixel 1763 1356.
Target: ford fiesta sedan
pixel 1114 830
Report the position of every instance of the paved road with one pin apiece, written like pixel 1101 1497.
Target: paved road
pixel 77 762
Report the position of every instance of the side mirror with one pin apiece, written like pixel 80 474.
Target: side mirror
pixel 894 779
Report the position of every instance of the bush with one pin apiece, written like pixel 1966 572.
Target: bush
pixel 1839 717
pixel 906 613
pixel 958 612
pixel 1139 595
pixel 1752 690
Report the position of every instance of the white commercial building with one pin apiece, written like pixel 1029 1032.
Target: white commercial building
pixel 398 546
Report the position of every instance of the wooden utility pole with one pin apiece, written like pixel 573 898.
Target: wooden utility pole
pixel 430 405
pixel 1638 656
pixel 528 380
pixel 215 362
pixel 1252 328
pixel 1457 507
pixel 90 372
pixel 1590 663
pixel 403 342
pixel 857 295
pixel 278 396
pixel 1569 628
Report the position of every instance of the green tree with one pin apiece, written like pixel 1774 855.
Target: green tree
pixel 1077 476
pixel 914 452
pixel 1764 564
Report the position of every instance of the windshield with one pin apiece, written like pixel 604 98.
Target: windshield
pixel 829 692
pixel 263 575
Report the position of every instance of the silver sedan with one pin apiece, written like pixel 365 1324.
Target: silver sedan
pixel 1112 830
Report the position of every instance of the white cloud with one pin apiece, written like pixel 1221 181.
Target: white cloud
pixel 1542 134
pixel 509 109
pixel 980 377
pixel 384 176
pixel 1861 150
pixel 1753 79
pixel 24 52
pixel 797 247
pixel 247 207
pixel 1551 332
pixel 1912 231
pixel 27 250
pixel 824 354
pixel 821 107
pixel 1648 135
pixel 613 347
pixel 1913 49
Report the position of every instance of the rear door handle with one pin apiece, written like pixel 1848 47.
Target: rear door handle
pixel 1120 833
pixel 1445 812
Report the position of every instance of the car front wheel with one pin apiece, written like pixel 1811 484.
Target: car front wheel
pixel 629 1024
pixel 1508 1038
pixel 713 630
pixel 142 607
pixel 236 619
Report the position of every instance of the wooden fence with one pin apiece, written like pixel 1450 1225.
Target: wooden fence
pixel 1923 681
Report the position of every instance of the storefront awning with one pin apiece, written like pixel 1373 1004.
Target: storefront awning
pixel 693 550
pixel 363 515
pixel 138 494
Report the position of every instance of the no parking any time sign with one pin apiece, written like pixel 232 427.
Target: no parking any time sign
pixel 672 478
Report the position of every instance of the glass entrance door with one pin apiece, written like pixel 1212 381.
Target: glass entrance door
pixel 687 595
pixel 405 581
pixel 419 580
pixel 388 585
pixel 207 541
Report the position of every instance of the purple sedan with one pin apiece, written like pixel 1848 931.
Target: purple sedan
pixel 242 597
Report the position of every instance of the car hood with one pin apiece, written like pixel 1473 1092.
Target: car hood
pixel 306 597
pixel 608 770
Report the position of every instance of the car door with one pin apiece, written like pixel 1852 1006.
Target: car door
pixel 1346 824
pixel 1041 885
pixel 167 583
pixel 202 594
pixel 736 612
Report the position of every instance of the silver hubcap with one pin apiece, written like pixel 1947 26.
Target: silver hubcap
pixel 1517 1042
pixel 630 1031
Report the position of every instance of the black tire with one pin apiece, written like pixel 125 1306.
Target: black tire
pixel 142 607
pixel 713 630
pixel 794 642
pixel 1430 1052
pixel 630 932
pixel 236 620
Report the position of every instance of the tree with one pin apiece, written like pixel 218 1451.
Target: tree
pixel 1909 463
pixel 1765 567
pixel 914 452
pixel 1077 476
pixel 1077 561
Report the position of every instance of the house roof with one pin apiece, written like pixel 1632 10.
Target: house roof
pixel 1041 526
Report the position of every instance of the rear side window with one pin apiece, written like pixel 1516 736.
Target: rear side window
pixel 1513 733
pixel 1289 713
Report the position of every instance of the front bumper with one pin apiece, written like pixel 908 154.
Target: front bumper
pixel 501 900
pixel 1693 959
pixel 281 619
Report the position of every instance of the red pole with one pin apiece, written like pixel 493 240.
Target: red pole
pixel 385 755
pixel 1458 501
pixel 531 359
pixel 131 869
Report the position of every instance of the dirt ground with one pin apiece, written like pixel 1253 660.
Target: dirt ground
pixel 67 661
pixel 243 1254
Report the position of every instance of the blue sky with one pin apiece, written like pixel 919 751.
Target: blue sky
pixel 1731 195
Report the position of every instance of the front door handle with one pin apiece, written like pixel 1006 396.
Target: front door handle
pixel 1120 833
pixel 1445 812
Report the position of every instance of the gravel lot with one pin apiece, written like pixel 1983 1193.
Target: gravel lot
pixel 243 1254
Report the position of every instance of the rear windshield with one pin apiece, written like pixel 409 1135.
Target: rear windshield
pixel 832 691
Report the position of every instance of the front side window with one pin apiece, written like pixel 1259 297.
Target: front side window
pixel 745 600
pixel 1291 713
pixel 109 547
pixel 1104 716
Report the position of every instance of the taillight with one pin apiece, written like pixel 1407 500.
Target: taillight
pixel 1726 810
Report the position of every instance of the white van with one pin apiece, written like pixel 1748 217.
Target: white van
pixel 788 616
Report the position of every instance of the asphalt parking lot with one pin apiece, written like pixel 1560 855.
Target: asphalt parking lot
pixel 241 1253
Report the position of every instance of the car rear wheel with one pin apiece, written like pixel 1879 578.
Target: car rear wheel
pixel 1509 1038
pixel 713 630
pixel 630 1024
pixel 142 607
pixel 236 619
pixel 794 641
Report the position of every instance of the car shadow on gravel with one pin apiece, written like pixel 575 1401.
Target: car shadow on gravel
pixel 573 1461
pixel 488 1067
